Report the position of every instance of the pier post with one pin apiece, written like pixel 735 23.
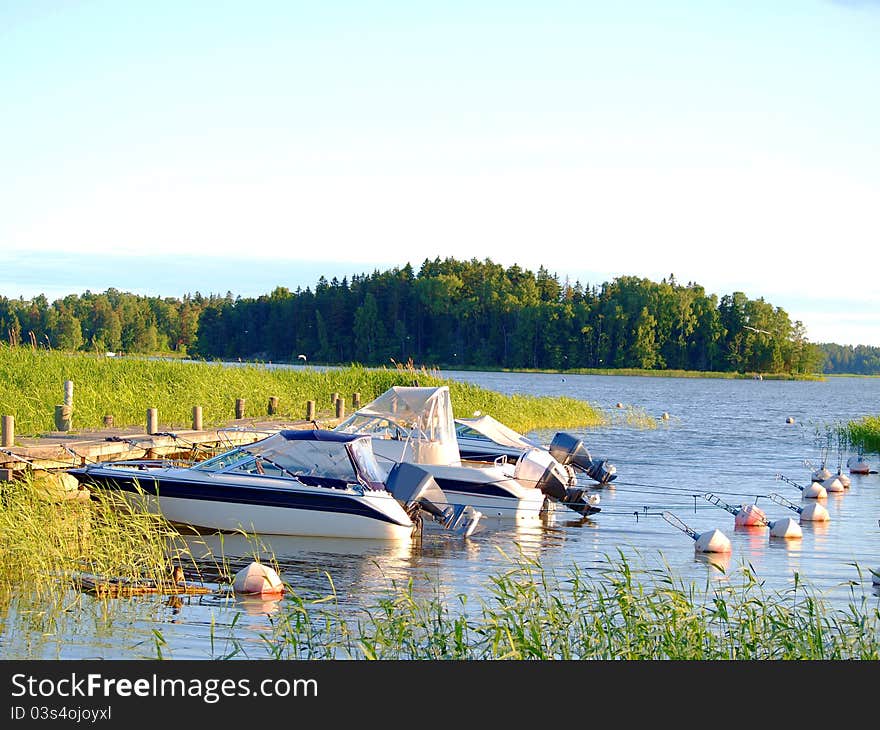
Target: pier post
pixel 239 407
pixel 340 408
pixel 152 420
pixel 68 393
pixel 8 431
pixel 108 421
pixel 6 475
pixel 272 408
pixel 310 410
pixel 197 418
pixel 356 401
pixel 62 417
pixel 333 398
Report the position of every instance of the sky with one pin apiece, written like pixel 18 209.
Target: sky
pixel 165 148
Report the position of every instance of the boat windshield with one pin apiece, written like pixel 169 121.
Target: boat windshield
pixel 375 426
pixel 322 459
pixel 371 470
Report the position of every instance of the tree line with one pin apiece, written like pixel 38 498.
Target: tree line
pixel 450 313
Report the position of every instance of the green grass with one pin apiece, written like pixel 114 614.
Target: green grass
pixel 31 384
pixel 660 373
pixel 865 433
pixel 533 614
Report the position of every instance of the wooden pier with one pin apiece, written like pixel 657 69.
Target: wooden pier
pixel 64 450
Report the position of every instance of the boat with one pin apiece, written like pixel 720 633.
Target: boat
pixel 411 424
pixel 312 483
pixel 482 438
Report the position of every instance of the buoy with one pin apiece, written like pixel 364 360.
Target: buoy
pixel 665 416
pixel 814 491
pixel 789 420
pixel 620 405
pixel 257 579
pixel 746 515
pixel 844 479
pixel 750 515
pixel 815 513
pixel 833 484
pixel 811 513
pixel 713 541
pixel 821 475
pixel 858 465
pixel 786 527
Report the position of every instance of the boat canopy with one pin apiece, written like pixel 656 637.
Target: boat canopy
pixel 420 416
pixel 488 428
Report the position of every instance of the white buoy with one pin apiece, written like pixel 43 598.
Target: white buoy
pixel 815 513
pixel 858 465
pixel 820 475
pixel 786 527
pixel 789 420
pixel 833 484
pixel 713 541
pixel 815 491
pixel 257 579
pixel 665 416
pixel 844 479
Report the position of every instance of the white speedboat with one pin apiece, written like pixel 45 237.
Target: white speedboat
pixel 416 425
pixel 308 483
pixel 483 438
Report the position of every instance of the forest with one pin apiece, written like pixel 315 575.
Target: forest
pixel 449 313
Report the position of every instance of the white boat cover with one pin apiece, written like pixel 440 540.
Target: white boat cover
pixel 426 414
pixel 498 432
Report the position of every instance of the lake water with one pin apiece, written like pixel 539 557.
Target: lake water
pixel 726 437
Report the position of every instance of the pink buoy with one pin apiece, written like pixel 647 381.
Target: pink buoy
pixel 844 479
pixel 786 527
pixel 750 515
pixel 257 579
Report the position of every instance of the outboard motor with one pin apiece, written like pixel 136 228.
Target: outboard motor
pixel 576 498
pixel 567 449
pixel 417 490
pixel 538 468
pixel 556 480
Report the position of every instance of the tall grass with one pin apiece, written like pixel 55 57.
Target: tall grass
pixel 31 383
pixel 865 433
pixel 45 542
pixel 535 615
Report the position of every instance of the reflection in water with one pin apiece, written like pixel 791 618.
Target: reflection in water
pixel 717 563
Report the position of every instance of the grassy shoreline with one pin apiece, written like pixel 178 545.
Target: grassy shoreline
pixel 31 384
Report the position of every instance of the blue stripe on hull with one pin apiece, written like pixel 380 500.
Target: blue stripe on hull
pixel 237 494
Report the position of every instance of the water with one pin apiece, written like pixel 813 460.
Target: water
pixel 727 437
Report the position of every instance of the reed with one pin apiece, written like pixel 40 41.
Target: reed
pixel 46 542
pixel 31 383
pixel 532 614
pixel 865 433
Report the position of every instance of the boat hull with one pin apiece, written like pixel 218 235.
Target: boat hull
pixel 238 506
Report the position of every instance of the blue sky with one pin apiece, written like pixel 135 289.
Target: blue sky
pixel 169 147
